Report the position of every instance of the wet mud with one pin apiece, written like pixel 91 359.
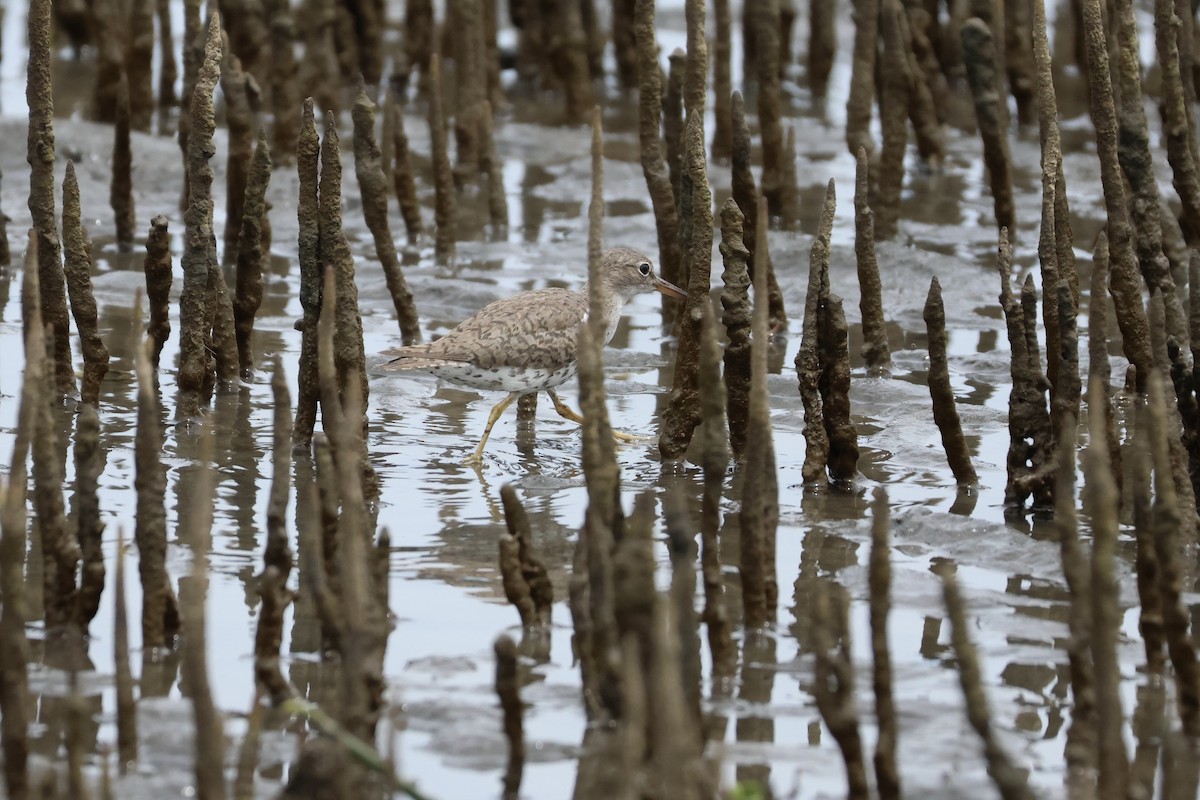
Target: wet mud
pixel 900 593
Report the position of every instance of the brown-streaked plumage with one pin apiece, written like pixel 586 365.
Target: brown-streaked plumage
pixel 526 343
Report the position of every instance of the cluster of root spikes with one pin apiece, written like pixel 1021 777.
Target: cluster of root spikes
pixel 643 689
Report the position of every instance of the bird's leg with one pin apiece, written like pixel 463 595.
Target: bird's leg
pixel 566 412
pixel 497 410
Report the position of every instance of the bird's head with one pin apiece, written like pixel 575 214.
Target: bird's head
pixel 628 273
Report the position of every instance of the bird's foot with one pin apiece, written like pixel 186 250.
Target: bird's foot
pixel 638 438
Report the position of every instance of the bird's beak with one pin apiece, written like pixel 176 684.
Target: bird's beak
pixel 669 289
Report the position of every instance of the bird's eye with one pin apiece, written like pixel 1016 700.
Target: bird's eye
pixel 644 267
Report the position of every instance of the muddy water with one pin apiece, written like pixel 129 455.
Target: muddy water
pixel 444 518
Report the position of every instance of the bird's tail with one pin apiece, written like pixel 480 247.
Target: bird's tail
pixel 414 357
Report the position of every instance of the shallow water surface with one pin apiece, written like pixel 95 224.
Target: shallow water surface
pixel 444 518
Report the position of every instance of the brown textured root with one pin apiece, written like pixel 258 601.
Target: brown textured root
pixel 604 523
pixel 362 633
pixel 1054 187
pixel 277 557
pixel 715 458
pixel 157 267
pixel 471 85
pixel 1030 437
pixel 672 126
pixel 944 412
pixel 567 45
pixel 169 71
pixel 1048 263
pixel 309 246
pixel 654 168
pixel 681 613
pixel 922 110
pixel 121 192
pixel 160 611
pixel 695 87
pixel 745 192
pixel 60 551
pixel 193 46
pixel 77 267
pixel 443 175
pixel 1009 779
pixel 1166 526
pixel 1178 115
pixel 108 29
pixel 779 172
pixel 241 102
pixel 683 414
pixel 983 73
pixel 887 778
pixel 1138 166
pixel 1126 284
pixel 1102 499
pixel 89 527
pixel 493 168
pixel 210 733
pixel 833 684
pixel 861 99
pixel 1081 739
pixel 893 113
pixel 14 654
pixel 199 254
pixel 348 350
pixel 722 142
pixel 526 581
pixel 419 37
pixel 285 93
pixel 40 155
pixel 875 350
pixel 822 44
pixel 251 253
pixel 808 359
pixel 402 176
pixel 833 343
pixel 596 203
pixel 1099 366
pixel 127 740
pixel 759 516
pixel 1019 61
pixel 372 186
pixel 736 317
pixel 508 690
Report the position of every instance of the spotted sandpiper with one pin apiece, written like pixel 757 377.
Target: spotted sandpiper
pixel 526 343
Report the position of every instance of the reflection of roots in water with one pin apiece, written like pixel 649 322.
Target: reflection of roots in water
pixel 1009 575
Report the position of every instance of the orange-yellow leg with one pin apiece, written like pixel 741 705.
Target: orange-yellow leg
pixel 497 410
pixel 566 412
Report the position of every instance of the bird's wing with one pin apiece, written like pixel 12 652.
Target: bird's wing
pixel 545 309
pixel 534 329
